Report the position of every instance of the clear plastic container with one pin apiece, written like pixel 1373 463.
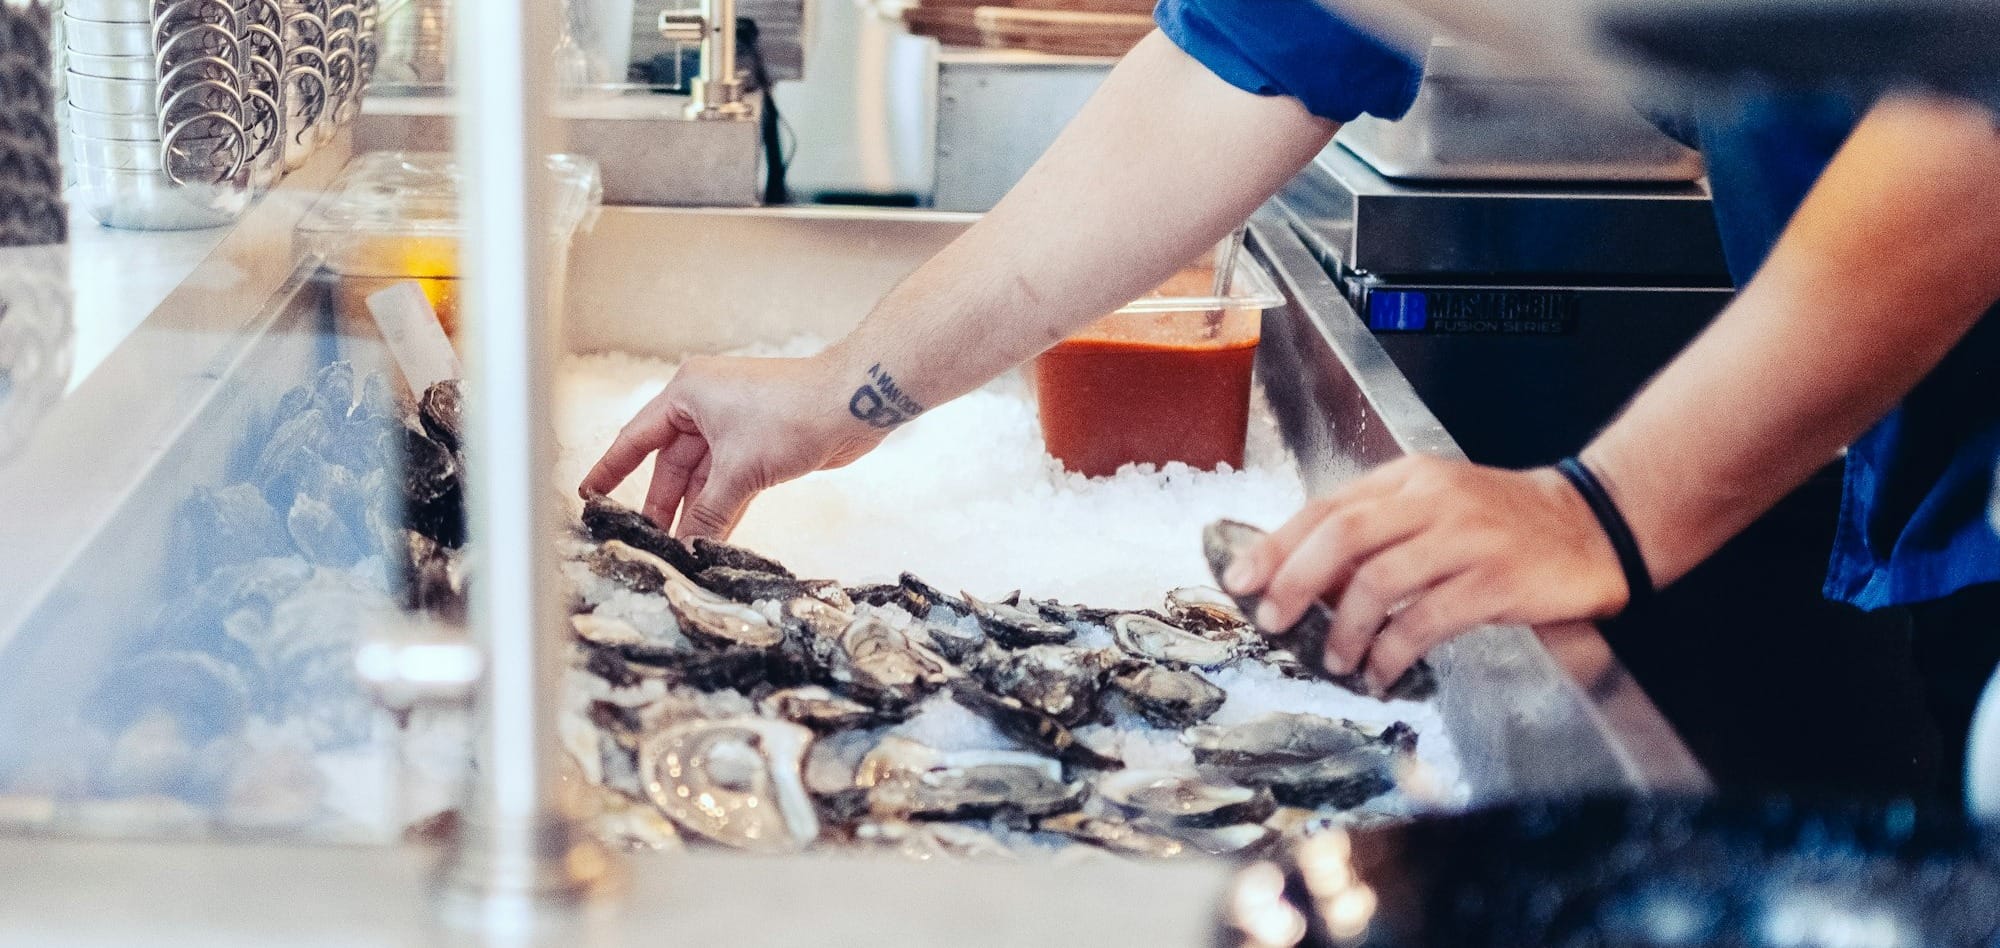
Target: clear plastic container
pixel 393 217
pixel 1166 378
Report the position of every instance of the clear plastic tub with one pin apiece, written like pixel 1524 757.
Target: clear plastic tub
pixel 1166 378
pixel 393 217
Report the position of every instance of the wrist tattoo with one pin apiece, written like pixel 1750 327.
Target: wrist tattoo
pixel 880 402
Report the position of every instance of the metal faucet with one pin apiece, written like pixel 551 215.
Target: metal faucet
pixel 716 92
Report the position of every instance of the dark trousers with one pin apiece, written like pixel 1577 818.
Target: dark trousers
pixel 1956 642
pixel 1776 689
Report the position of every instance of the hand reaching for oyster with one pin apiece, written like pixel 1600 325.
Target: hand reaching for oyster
pixel 726 429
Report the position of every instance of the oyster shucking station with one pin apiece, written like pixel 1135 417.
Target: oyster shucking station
pixel 1028 472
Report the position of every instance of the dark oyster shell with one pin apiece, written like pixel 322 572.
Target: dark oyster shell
pixel 333 389
pixel 918 598
pixel 1306 760
pixel 613 561
pixel 822 710
pixel 1157 640
pixel 1065 613
pixel 1057 680
pixel 744 585
pixel 1118 836
pixel 1030 727
pixel 231 525
pixel 442 411
pixel 956 642
pixel 1177 800
pixel 709 554
pixel 1168 697
pixel 907 779
pixel 607 519
pixel 1015 627
pixel 885 666
pixel 1224 540
pixel 322 537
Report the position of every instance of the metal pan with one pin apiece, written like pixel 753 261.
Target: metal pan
pixel 110 11
pixel 115 96
pixel 148 200
pixel 150 155
pixel 112 67
pixel 111 126
pixel 102 38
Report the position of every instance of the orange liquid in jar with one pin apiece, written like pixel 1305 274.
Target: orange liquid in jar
pixel 1152 388
pixel 1108 404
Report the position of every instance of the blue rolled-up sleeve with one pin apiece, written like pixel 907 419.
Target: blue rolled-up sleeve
pixel 1295 48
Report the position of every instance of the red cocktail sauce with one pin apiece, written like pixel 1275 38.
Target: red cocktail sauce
pixel 1106 403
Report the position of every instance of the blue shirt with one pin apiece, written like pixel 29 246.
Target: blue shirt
pixel 1913 520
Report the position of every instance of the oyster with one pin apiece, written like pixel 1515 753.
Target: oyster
pixel 629 566
pixel 436 580
pixel 231 525
pixel 1277 739
pixel 1306 760
pixel 745 585
pixel 609 677
pixel 1029 726
pixel 606 520
pixel 1167 697
pixel 1224 540
pixel 1150 638
pixel 958 640
pixel 322 536
pixel 1068 614
pixel 820 709
pixel 812 635
pixel 737 668
pixel 1236 839
pixel 433 489
pixel 914 596
pixel 1340 782
pixel 1115 835
pixel 332 389
pixel 634 827
pixel 442 413
pixel 1015 627
pixel 626 639
pixel 1168 799
pixel 880 663
pixel 709 554
pixel 1206 605
pixel 904 778
pixel 707 617
pixel 735 781
pixel 1057 680
pixel 307 430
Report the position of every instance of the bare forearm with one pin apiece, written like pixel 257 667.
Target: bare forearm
pixel 1162 162
pixel 1891 260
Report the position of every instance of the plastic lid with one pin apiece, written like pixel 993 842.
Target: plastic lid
pixel 394 193
pixel 1194 289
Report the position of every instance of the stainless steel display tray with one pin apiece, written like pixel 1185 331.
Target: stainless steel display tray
pixel 1532 715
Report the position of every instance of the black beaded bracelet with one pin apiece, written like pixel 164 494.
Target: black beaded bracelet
pixel 1638 580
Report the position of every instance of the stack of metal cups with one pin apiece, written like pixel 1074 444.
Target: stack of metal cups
pixel 161 133
pixel 36 327
pixel 181 110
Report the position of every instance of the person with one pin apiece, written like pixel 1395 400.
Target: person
pixel 1876 289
